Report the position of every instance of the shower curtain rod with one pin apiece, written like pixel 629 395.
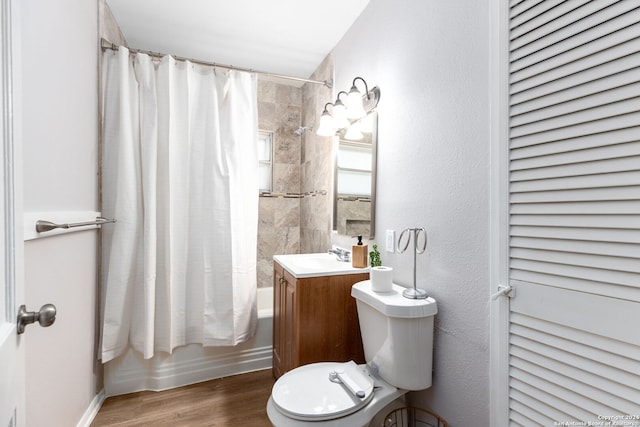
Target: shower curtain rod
pixel 105 44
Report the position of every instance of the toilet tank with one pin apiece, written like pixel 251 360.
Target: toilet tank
pixel 397 335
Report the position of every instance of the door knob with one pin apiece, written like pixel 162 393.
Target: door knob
pixel 46 316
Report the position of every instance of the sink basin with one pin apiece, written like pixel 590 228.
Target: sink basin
pixel 314 265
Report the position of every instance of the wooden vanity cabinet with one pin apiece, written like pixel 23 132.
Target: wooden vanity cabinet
pixel 314 320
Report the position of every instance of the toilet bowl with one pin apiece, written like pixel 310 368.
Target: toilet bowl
pixel 306 396
pixel 397 336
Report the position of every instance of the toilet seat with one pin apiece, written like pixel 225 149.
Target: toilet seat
pixel 308 392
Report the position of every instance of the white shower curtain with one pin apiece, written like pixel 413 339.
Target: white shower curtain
pixel 180 176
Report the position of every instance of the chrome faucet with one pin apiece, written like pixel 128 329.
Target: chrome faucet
pixel 342 254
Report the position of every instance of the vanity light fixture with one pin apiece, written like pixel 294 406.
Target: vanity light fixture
pixel 357 106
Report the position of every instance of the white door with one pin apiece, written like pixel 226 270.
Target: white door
pixel 12 392
pixel 573 346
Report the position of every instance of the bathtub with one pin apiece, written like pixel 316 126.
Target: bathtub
pixel 264 300
pixel 193 363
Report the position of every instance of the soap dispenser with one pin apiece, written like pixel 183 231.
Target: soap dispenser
pixel 359 254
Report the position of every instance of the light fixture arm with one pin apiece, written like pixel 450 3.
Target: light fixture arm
pixel 366 87
pixel 372 99
pixel 338 97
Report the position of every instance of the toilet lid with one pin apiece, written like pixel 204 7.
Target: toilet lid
pixel 307 393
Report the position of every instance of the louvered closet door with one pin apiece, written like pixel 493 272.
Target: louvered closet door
pixel 574 212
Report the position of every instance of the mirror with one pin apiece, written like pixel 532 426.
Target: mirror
pixel 355 178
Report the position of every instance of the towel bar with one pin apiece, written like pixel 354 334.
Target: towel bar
pixel 42 226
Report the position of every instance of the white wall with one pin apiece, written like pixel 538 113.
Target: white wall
pixel 60 146
pixel 430 59
pixel 59 63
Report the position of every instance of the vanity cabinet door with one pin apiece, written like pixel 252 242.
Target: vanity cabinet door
pixel 315 320
pixel 285 327
pixel 291 328
pixel 328 326
pixel 279 320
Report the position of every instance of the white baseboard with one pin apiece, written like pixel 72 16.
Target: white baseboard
pixel 137 375
pixel 189 364
pixel 186 365
pixel 92 410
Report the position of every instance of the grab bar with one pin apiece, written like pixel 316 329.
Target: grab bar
pixel 42 226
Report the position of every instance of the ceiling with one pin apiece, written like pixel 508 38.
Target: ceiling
pixel 289 37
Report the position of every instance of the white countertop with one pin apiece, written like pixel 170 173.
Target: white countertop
pixel 315 265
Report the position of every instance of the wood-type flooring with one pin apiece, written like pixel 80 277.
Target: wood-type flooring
pixel 235 401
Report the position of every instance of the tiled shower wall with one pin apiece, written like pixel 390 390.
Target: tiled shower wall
pixel 300 164
pixel 279 112
pixel 317 165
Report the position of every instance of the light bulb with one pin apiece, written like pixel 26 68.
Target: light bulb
pixel 340 115
pixel 366 124
pixel 355 109
pixel 326 127
pixel 353 132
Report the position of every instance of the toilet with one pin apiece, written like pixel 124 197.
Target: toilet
pixel 397 336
